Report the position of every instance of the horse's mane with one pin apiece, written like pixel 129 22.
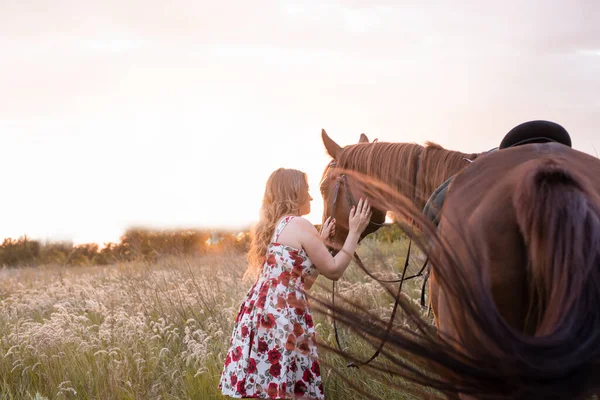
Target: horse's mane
pixel 409 168
pixel 438 164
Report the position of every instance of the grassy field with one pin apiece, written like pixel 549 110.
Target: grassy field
pixel 158 331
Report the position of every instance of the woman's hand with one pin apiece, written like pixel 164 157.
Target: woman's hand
pixel 328 229
pixel 359 217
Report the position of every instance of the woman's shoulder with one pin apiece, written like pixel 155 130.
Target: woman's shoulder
pixel 302 222
pixel 303 229
pixel 297 227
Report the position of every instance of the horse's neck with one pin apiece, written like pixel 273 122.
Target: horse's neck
pixel 437 165
pixel 424 171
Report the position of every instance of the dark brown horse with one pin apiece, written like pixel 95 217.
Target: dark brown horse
pixel 516 277
pixel 412 170
pixel 531 219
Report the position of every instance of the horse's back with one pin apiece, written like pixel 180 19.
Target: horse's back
pixel 480 218
pixel 523 225
pixel 502 170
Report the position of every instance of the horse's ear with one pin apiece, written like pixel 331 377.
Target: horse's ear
pixel 363 138
pixel 333 149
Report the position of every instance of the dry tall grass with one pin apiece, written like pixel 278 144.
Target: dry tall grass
pixel 160 331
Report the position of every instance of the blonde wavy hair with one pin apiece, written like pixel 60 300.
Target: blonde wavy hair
pixel 285 192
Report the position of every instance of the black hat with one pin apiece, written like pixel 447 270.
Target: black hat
pixel 536 132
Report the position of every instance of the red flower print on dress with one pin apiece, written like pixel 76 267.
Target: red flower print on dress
pixel 281 303
pixel 241 387
pixel 245 331
pixel 239 316
pixel 307 376
pixel 315 368
pixel 304 347
pixel 297 271
pixel 282 392
pixel 299 388
pixel 284 278
pixel 268 321
pixel 297 259
pixel 262 300
pixel 249 308
pixel 300 310
pixel 275 370
pixel 309 320
pixel 290 343
pixel 227 360
pixel 263 289
pixel 274 356
pixel 272 390
pixel 271 260
pixel 251 366
pixel 293 300
pixel 298 329
pixel 236 354
pixel 233 380
pixel 262 346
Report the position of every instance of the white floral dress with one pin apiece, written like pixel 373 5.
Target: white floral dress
pixel 273 353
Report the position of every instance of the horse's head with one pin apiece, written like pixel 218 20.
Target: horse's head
pixel 341 189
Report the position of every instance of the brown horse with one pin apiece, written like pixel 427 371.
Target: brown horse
pixel 531 217
pixel 516 272
pixel 412 170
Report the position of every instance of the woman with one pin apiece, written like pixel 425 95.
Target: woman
pixel 273 353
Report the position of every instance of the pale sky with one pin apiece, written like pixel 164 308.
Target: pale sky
pixel 171 114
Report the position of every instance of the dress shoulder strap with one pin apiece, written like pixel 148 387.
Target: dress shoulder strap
pixel 282 224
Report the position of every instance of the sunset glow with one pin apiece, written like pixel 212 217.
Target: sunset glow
pixel 115 115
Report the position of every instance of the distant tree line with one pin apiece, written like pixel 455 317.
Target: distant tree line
pixel 139 244
pixel 136 244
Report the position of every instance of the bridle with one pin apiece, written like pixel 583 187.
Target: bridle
pixel 349 198
pixel 342 179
